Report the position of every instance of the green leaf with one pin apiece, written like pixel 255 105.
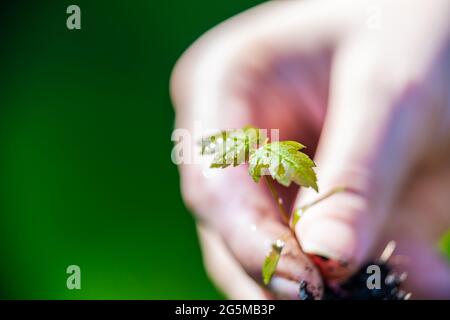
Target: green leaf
pixel 444 245
pixel 271 261
pixel 297 214
pixel 285 163
pixel 232 147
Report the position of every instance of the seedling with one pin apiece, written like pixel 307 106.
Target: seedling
pixel 281 161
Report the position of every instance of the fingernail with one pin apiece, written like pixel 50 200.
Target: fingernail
pixel 330 268
pixel 293 290
pixel 331 245
pixel 284 288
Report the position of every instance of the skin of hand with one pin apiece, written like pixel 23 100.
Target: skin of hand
pixel 365 85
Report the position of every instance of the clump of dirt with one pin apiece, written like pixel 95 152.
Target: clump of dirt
pixel 356 287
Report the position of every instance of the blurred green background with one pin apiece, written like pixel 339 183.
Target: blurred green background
pixel 86 173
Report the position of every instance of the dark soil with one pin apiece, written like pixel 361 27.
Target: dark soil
pixel 355 288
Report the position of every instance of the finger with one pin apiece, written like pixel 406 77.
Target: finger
pixel 231 203
pixel 251 248
pixel 371 138
pixel 418 224
pixel 251 239
pixel 427 271
pixel 225 271
pixel 246 219
pixel 251 38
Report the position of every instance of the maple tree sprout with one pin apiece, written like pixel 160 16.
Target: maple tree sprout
pixel 284 215
pixel 282 161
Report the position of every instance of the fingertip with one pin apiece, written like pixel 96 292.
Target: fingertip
pixel 332 246
pixel 337 234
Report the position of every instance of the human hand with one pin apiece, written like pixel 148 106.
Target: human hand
pixel 374 98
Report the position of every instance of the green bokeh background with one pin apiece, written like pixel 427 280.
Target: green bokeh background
pixel 86 173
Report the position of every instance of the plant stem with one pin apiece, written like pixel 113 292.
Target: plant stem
pixel 323 197
pixel 300 210
pixel 284 215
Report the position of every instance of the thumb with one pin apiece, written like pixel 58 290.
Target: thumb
pixel 370 139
